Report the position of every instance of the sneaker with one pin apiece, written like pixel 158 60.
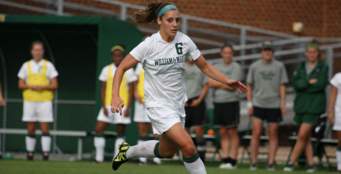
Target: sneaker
pixel 311 169
pixel 288 168
pixel 142 160
pixel 227 166
pixel 271 167
pixel 253 167
pixel 121 157
pixel 29 156
pixel 157 161
pixel 45 156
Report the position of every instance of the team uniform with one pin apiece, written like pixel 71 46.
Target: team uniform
pixel 107 75
pixel 195 80
pixel 336 82
pixel 226 103
pixel 139 113
pixel 266 79
pixel 37 105
pixel 165 87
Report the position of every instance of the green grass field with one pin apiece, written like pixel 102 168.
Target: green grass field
pixel 64 167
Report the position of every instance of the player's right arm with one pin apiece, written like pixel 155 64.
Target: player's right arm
pixel 128 62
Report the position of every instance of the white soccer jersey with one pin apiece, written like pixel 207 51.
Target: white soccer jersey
pixel 336 82
pixel 130 75
pixel 36 67
pixel 163 63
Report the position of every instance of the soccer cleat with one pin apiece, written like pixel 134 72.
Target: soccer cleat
pixel 253 167
pixel 121 157
pixel 157 161
pixel 142 160
pixel 311 169
pixel 271 168
pixel 228 166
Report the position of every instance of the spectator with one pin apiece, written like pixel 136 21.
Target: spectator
pixel 309 81
pixel 266 101
pixel 334 113
pixel 196 89
pixel 105 116
pixel 38 81
pixel 227 109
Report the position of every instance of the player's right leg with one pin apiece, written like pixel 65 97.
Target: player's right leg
pixel 256 133
pixel 30 140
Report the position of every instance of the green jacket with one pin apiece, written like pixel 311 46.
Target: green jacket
pixel 310 98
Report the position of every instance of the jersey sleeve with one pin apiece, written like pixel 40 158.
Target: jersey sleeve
pixel 104 75
pixel 51 71
pixel 139 52
pixel 131 76
pixel 22 74
pixel 336 80
pixel 193 51
pixel 284 75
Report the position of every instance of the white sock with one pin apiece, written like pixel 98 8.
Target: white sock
pixel 142 149
pixel 118 142
pixel 142 159
pixel 30 143
pixel 195 167
pixel 338 158
pixel 99 143
pixel 46 143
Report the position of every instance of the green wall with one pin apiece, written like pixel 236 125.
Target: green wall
pixel 79 48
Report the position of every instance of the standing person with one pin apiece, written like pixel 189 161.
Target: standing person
pixel 226 108
pixel 140 117
pixel 334 113
pixel 38 81
pixel 195 108
pixel 266 101
pixel 105 115
pixel 163 56
pixel 309 81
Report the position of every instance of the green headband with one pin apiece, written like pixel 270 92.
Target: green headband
pixel 117 47
pixel 165 9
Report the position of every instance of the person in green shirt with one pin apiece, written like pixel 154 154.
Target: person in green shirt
pixel 309 81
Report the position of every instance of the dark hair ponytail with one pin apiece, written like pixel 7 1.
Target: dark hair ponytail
pixel 150 14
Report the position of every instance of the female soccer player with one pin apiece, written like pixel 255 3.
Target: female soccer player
pixel 105 116
pixel 38 81
pixel 141 119
pixel 310 81
pixel 163 56
pixel 334 113
pixel 226 108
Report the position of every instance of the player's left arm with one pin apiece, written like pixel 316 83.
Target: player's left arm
pixel 215 74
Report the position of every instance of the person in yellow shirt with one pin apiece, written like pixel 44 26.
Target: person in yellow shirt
pixel 38 81
pixel 105 116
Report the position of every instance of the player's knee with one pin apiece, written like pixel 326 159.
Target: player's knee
pixel 302 137
pixel 188 149
pixel 256 133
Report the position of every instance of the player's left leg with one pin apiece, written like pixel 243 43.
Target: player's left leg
pixel 143 129
pixel 45 140
pixel 183 140
pixel 273 143
pixel 309 153
pixel 120 131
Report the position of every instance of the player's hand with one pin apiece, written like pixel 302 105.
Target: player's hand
pixel 312 81
pixel 105 111
pixel 195 103
pixel 37 88
pixel 331 118
pixel 237 85
pixel 117 105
